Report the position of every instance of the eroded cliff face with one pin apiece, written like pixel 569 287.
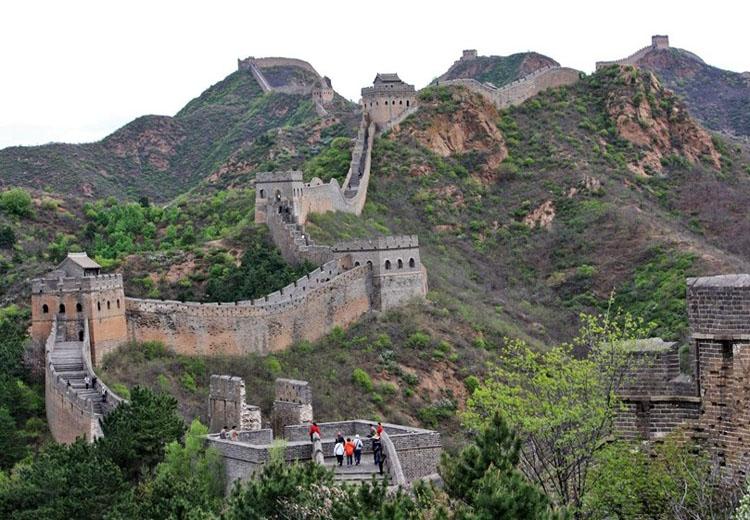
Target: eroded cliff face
pixel 469 128
pixel 150 141
pixel 652 118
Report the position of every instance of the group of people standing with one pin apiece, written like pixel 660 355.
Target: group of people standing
pixel 229 435
pixel 352 448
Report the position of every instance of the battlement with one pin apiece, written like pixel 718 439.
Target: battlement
pixel 719 306
pixel 293 391
pixel 469 54
pixel 52 284
pixel 278 176
pixel 378 244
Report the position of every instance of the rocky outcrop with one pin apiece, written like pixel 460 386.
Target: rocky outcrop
pixel 652 118
pixel 469 128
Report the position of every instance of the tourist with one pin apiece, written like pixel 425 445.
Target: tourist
pixel 379 429
pixel 357 449
pixel 93 382
pixel 339 437
pixel 104 395
pixel 233 435
pixel 349 450
pixel 87 382
pixel 314 428
pixel 338 450
pixel 223 433
pixel 372 432
pixel 377 449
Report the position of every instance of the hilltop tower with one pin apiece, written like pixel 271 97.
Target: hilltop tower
pixel 323 91
pixel 388 98
pixel 660 41
pixel 76 291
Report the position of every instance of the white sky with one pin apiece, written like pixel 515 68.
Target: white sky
pixel 74 71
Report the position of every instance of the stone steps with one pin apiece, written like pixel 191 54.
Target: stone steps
pixel 68 362
pixel 362 473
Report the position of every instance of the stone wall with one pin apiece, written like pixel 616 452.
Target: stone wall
pixel 306 310
pixel 227 405
pixel 523 88
pixel 719 306
pixel 292 404
pixel 657 42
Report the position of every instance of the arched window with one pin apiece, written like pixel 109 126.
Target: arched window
pixel 118 303
pixel 278 195
pixel 98 306
pixel 400 264
pixel 387 264
pixel 386 101
pixel 62 309
pixel 80 335
pixel 108 305
pixel 262 194
pixel 400 101
pixel 411 262
pixel 356 264
pixel 79 307
pixel 369 264
pixel 407 102
pixel 45 309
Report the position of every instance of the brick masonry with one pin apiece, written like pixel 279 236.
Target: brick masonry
pixel 711 401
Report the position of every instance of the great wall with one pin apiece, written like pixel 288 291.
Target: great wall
pixel 79 315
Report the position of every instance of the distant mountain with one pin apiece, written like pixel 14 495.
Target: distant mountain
pixel 498 70
pixel 162 156
pixel 719 98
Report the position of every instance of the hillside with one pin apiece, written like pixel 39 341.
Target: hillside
pixel 719 98
pixel 498 70
pixel 160 156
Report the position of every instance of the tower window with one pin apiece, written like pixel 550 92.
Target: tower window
pixel 108 305
pixel 400 264
pixel 387 264
pixel 262 194
pixel 79 307
pixel 407 102
pixel 98 306
pixel 411 262
pixel 62 309
pixel 118 303
pixel 45 309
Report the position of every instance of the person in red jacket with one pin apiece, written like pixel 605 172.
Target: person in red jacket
pixel 314 428
pixel 349 451
pixel 379 429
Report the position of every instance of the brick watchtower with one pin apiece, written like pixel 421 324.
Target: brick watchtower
pixel 76 291
pixel 388 98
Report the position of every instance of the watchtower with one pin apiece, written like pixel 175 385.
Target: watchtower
pixel 292 406
pixel 323 91
pixel 75 291
pixel 469 54
pixel 274 188
pixel 388 98
pixel 397 271
pixel 660 41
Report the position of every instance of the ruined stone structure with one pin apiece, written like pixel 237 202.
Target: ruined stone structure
pixel 523 88
pixel 711 400
pixel 387 98
pixel 227 405
pixel 411 453
pixel 293 404
pixel 657 42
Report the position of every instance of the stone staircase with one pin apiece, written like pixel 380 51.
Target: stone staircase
pixel 67 359
pixel 355 474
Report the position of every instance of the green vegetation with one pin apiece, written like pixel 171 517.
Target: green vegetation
pixel 16 201
pixel 333 162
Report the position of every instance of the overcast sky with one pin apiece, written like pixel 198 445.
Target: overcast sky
pixel 74 71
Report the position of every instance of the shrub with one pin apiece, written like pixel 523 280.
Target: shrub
pixel 188 382
pixel 7 237
pixel 410 379
pixel 418 340
pixel 362 379
pixel 153 349
pixel 121 390
pixel 471 383
pixel 273 365
pixel 16 201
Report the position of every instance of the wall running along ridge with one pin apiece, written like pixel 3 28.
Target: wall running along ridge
pixel 523 88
